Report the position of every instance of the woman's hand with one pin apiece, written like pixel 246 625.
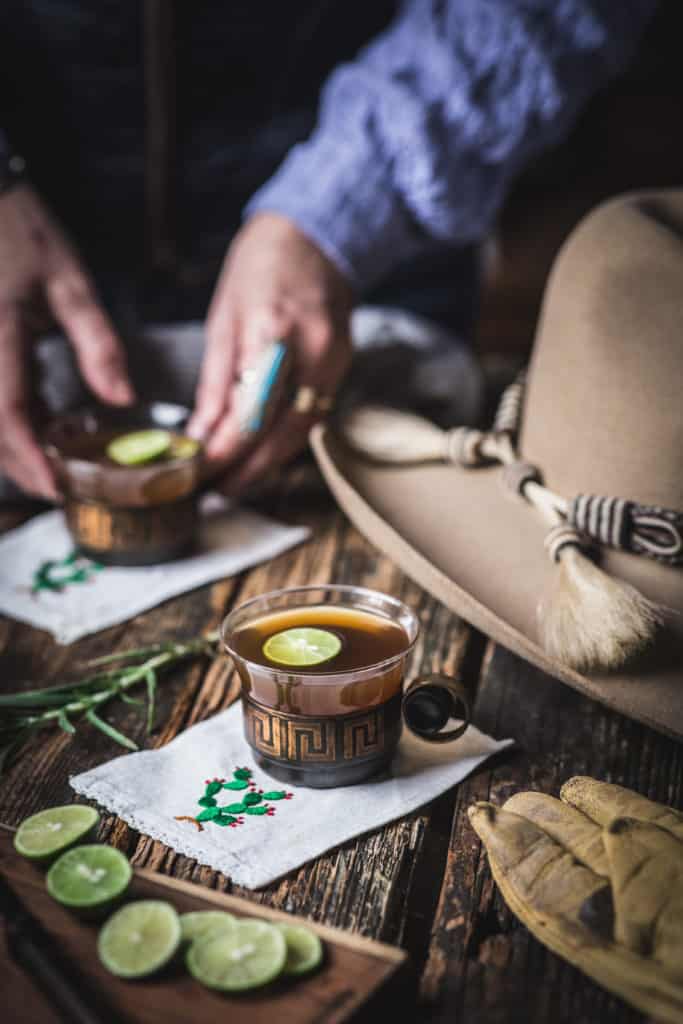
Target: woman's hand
pixel 42 281
pixel 275 285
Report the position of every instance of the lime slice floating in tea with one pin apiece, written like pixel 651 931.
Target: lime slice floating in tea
pixel 302 646
pixel 52 831
pixel 304 949
pixel 89 876
pixel 139 447
pixel 139 939
pixel 253 954
pixel 199 923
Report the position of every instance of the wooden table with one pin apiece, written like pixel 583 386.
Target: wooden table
pixel 422 882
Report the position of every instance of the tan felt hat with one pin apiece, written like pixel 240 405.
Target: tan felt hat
pixel 603 414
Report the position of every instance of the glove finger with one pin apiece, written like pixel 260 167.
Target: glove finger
pixel 566 825
pixel 603 802
pixel 544 876
pixel 526 864
pixel 646 868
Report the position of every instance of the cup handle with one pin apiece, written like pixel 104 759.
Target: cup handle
pixel 430 701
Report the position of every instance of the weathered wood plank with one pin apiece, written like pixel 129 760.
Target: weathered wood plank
pixel 482 964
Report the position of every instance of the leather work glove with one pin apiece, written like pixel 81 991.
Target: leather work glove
pixel 597 876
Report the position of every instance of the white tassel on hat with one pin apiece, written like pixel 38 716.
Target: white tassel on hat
pixel 587 619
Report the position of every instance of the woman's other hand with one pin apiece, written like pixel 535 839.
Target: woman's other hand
pixel 42 281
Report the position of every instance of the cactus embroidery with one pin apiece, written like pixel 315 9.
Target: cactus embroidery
pixel 57 575
pixel 255 802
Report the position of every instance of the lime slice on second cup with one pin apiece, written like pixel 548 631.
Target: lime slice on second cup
pixel 52 831
pixel 302 646
pixel 304 949
pixel 89 876
pixel 199 923
pixel 139 939
pixel 139 447
pixel 251 955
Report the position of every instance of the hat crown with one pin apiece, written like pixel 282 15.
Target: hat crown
pixel 603 409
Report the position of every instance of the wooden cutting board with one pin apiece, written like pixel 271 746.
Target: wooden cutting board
pixel 356 973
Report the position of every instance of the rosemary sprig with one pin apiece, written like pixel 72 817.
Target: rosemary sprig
pixel 66 704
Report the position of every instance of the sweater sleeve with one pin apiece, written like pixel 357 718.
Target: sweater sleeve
pixel 419 137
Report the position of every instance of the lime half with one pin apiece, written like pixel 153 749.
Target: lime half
pixel 89 876
pixel 302 646
pixel 139 939
pixel 53 831
pixel 253 954
pixel 139 447
pixel 200 923
pixel 304 949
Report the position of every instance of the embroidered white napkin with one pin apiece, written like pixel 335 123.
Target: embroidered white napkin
pixel 231 540
pixel 150 789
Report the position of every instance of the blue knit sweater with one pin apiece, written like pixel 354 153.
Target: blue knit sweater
pixel 418 138
pixel 418 135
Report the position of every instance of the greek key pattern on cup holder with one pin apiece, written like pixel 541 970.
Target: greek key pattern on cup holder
pixel 320 740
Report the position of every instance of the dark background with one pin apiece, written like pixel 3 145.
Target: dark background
pixel 630 136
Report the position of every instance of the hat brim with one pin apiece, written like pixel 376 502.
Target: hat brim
pixel 480 551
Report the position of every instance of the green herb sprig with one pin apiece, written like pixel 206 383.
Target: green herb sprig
pixel 66 704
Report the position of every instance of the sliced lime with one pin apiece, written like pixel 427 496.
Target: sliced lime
pixel 251 955
pixel 182 447
pixel 52 831
pixel 89 876
pixel 304 949
pixel 200 923
pixel 301 646
pixel 139 938
pixel 139 447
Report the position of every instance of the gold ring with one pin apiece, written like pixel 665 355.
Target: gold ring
pixel 308 402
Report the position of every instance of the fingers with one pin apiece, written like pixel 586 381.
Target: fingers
pixel 218 367
pixel 603 802
pixel 287 437
pixel 645 871
pixel 322 360
pixel 21 457
pixel 229 352
pixel 226 439
pixel 100 354
pixel 566 825
pixel 534 873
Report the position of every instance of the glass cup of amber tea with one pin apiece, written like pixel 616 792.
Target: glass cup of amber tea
pixel 322 671
pixel 130 479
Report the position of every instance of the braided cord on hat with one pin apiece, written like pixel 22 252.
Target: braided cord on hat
pixel 614 522
pixel 509 413
pixel 587 617
pixel 563 536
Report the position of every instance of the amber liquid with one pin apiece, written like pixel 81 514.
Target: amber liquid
pixel 92 447
pixel 334 687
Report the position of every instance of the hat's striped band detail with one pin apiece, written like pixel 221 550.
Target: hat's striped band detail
pixel 641 529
